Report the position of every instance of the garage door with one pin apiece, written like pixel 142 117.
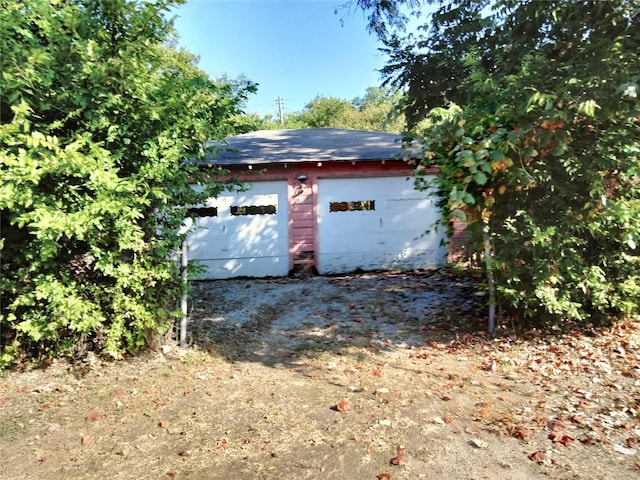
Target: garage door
pixel 375 223
pixel 243 234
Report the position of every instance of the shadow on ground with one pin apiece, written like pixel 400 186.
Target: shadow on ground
pixel 278 321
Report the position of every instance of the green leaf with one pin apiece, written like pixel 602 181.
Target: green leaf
pixel 480 178
pixel 588 107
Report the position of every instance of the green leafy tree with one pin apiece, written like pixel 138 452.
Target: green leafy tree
pixel 376 111
pixel 530 109
pixel 102 121
pixel 326 112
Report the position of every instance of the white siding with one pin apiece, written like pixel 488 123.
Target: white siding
pixel 390 236
pixel 244 245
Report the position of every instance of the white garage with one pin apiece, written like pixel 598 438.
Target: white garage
pixel 243 234
pixel 326 200
pixel 375 223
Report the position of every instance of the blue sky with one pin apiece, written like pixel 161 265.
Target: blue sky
pixel 295 49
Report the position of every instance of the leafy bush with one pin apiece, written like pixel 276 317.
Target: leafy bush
pixel 99 114
pixel 532 114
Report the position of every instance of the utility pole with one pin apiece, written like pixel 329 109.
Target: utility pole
pixel 281 110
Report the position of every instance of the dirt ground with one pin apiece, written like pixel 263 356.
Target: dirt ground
pixel 365 376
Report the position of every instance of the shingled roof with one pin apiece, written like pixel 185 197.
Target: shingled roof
pixel 306 145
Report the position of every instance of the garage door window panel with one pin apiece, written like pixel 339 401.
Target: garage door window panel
pixel 203 212
pixel 246 210
pixel 357 206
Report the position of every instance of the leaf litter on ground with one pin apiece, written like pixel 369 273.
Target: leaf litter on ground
pixel 264 368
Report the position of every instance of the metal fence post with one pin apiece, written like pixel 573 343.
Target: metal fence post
pixel 185 279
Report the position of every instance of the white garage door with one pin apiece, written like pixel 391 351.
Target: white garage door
pixel 375 223
pixel 243 234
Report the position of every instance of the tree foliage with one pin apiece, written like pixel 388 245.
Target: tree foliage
pixel 101 118
pixel 531 111
pixel 377 110
pixel 386 16
pixel 326 112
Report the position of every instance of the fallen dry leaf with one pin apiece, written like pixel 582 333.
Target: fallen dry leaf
pixel 519 432
pixel 563 439
pixel 577 419
pixel 537 457
pixel 555 426
pixel 484 412
pixel 400 458
pixel 541 421
pixel 222 443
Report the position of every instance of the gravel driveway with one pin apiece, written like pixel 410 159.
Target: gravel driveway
pixel 380 309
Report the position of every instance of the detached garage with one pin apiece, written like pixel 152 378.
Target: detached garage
pixel 326 199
